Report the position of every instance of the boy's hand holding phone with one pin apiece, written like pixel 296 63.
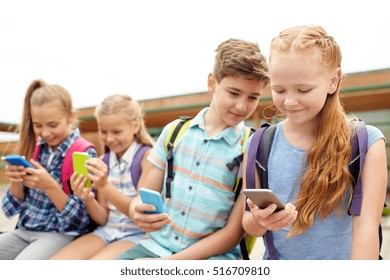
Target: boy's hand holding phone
pixel 152 197
pixel 148 220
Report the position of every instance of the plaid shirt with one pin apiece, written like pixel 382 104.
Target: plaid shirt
pixel 37 212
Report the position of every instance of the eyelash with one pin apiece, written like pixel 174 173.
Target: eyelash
pixel 299 91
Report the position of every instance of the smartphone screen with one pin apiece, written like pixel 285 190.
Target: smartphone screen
pixel 79 159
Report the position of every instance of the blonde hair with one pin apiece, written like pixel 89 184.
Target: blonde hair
pixel 327 179
pixel 125 107
pixel 38 94
pixel 236 57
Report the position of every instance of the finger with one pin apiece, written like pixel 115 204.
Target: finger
pixel 251 205
pixel 36 164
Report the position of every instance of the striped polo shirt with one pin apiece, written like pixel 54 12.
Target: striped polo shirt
pixel 202 189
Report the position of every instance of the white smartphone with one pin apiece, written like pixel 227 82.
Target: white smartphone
pixel 263 198
pixel 154 198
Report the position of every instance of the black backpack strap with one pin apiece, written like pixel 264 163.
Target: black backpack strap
pixel 170 175
pixel 244 249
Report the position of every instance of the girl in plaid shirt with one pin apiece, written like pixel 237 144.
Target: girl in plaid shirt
pixel 49 218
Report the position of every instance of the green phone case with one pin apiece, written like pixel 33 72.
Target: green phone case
pixel 79 159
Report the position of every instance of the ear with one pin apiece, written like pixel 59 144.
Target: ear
pixel 72 119
pixel 335 81
pixel 136 126
pixel 211 83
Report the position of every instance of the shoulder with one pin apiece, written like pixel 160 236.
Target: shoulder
pixel 374 134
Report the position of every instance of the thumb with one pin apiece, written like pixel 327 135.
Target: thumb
pixel 251 205
pixel 36 164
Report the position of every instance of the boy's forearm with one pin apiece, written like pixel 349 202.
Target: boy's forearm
pixel 218 243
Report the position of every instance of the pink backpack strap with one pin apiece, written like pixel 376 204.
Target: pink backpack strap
pixel 79 145
pixel 37 150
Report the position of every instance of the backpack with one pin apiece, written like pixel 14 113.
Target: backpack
pixel 258 153
pixel 135 167
pixel 79 145
pixel 175 132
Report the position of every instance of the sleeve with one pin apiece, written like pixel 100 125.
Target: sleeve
pixel 11 206
pixel 374 134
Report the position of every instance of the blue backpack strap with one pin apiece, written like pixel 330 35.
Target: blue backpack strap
pixel 106 160
pixel 79 145
pixel 359 150
pixel 136 165
pixel 258 153
pixel 254 149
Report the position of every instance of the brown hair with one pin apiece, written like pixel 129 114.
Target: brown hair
pixel 327 179
pixel 39 93
pixel 237 57
pixel 128 109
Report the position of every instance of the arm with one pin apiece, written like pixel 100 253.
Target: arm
pixel 365 241
pixel 152 178
pixel 98 175
pixel 219 242
pixel 96 206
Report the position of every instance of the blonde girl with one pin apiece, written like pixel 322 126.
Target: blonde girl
pixel 123 133
pixel 310 154
pixel 49 218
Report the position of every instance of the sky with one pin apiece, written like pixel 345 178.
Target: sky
pixel 156 48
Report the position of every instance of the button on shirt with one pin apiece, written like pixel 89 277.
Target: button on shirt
pixel 202 189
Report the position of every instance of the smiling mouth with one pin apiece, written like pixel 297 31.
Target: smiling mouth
pixel 238 116
pixel 293 111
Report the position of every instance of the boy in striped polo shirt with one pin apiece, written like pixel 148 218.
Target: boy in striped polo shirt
pixel 202 221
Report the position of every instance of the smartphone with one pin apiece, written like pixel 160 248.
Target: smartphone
pixel 18 160
pixel 79 159
pixel 154 198
pixel 263 198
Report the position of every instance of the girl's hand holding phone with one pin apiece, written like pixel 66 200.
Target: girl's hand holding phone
pixel 268 219
pixel 77 183
pixel 39 178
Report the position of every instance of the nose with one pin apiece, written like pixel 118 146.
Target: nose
pixel 45 132
pixel 109 138
pixel 241 106
pixel 290 100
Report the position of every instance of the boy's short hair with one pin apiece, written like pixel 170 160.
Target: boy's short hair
pixel 236 57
